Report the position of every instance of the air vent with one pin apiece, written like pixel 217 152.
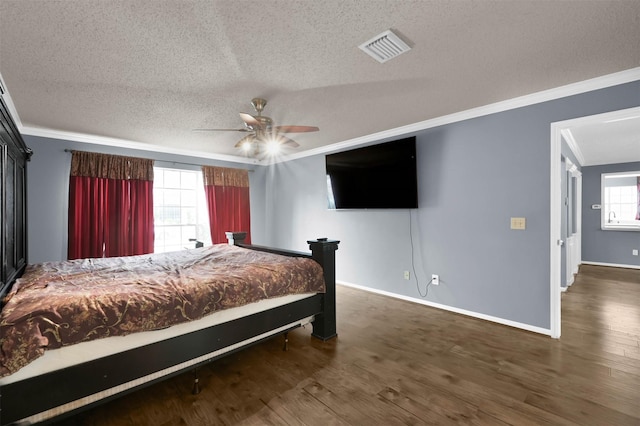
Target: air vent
pixel 384 47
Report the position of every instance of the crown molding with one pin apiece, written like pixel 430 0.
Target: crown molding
pixel 10 105
pixel 123 143
pixel 573 145
pixel 601 82
pixel 597 83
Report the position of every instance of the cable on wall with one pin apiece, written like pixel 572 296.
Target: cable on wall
pixel 413 266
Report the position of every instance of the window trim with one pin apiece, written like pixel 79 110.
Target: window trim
pixel 605 225
pixel 206 239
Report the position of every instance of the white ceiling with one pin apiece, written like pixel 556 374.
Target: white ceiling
pixel 608 140
pixel 149 71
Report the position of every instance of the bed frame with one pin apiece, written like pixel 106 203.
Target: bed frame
pixel 67 391
pixel 26 398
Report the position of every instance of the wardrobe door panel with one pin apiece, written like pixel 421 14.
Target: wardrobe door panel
pixel 3 263
pixel 14 155
pixel 10 217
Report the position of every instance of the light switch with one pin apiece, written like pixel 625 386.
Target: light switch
pixel 518 223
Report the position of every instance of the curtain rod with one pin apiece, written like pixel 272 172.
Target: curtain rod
pixel 166 161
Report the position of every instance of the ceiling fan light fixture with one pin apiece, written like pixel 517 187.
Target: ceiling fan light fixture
pixel 273 147
pixel 385 46
pixel 264 137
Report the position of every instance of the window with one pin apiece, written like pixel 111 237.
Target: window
pixel 620 192
pixel 180 209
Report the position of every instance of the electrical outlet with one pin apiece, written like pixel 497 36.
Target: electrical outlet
pixel 634 252
pixel 435 279
pixel 407 275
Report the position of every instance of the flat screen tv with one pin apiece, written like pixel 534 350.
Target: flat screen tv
pixel 380 176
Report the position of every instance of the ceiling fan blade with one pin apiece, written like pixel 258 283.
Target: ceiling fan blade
pixel 262 131
pixel 220 130
pixel 295 129
pixel 248 138
pixel 250 120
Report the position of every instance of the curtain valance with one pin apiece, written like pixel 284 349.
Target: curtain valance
pixel 223 176
pixel 91 164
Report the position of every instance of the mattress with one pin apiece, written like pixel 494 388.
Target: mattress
pixel 81 352
pixel 58 304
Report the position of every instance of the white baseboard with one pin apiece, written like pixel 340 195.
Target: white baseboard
pixel 612 265
pixel 502 321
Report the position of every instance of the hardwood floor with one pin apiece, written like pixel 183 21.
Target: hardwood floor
pixel 396 362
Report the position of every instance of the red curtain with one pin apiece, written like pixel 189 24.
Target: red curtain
pixel 86 222
pixel 227 193
pixel 110 206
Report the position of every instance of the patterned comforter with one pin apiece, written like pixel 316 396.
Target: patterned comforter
pixel 60 303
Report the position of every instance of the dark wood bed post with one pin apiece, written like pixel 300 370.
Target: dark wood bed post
pixel 236 238
pixel 323 251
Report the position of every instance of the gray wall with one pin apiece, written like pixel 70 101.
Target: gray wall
pixel 473 176
pixel 600 246
pixel 48 191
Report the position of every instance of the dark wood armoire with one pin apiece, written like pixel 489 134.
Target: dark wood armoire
pixel 14 155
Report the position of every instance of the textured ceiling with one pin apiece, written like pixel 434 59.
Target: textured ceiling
pixel 149 71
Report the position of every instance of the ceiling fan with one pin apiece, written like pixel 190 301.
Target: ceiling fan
pixel 262 132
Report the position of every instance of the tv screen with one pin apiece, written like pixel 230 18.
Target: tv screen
pixel 374 177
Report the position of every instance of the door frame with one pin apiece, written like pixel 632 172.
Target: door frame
pixel 557 130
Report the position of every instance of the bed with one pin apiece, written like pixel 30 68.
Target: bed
pixel 59 382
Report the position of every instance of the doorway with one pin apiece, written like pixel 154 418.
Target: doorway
pixel 557 168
